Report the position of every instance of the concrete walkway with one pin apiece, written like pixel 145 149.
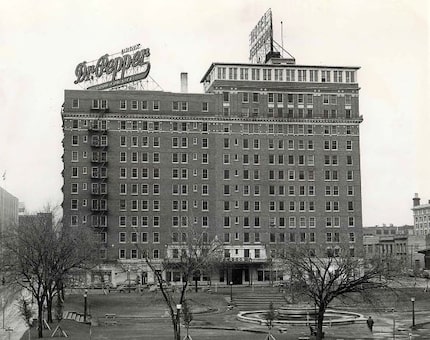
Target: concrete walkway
pixel 14 324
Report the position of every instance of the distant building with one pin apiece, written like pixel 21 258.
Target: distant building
pixel 39 218
pixel 21 208
pixel 421 213
pixel 8 210
pixel 397 242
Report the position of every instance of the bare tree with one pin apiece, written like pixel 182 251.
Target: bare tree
pixel 71 249
pixel 187 316
pixel 24 307
pixel 193 255
pixel 325 278
pixel 270 317
pixel 38 254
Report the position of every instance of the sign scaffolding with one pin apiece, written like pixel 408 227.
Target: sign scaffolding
pixel 262 46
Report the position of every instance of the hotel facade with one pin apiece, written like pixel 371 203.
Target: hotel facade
pixel 266 158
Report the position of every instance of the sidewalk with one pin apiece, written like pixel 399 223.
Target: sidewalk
pixel 12 321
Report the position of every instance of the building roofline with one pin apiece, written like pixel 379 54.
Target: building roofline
pixel 277 66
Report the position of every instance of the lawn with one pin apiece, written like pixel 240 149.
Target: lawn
pixel 143 315
pixel 137 313
pixel 136 304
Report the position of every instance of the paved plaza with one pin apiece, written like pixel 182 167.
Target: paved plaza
pixel 221 323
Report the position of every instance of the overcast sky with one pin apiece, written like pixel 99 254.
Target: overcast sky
pixel 41 42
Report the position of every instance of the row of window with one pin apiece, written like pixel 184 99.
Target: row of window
pixel 136 221
pixel 279 190
pixel 301 237
pixel 154 205
pixel 292 237
pixel 133 237
pixel 290 175
pixel 284 222
pixel 155 253
pixel 295 129
pixel 134 254
pixel 281 74
pixel 291 98
pixel 279 158
pixel 133 104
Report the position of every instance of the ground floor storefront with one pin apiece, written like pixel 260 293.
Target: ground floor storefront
pixel 227 273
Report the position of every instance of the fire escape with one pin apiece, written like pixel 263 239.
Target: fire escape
pixel 98 136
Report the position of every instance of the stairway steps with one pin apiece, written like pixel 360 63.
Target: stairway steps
pixel 258 301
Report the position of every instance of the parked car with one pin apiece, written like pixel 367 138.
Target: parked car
pixel 166 285
pixel 126 286
pixel 100 285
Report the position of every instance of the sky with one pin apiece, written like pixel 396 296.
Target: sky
pixel 41 42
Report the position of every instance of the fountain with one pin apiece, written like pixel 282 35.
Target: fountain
pixel 301 315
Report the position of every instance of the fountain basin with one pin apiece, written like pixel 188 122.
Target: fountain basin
pixel 301 315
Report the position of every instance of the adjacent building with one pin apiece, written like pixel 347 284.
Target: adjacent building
pixel 421 214
pixel 267 157
pixel 394 242
pixel 8 210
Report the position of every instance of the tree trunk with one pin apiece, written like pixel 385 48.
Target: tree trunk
pixel 40 318
pixel 176 330
pixel 49 308
pixel 320 323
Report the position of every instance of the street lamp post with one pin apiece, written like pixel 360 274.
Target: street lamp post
pixel 394 325
pixel 128 279
pixel 2 307
pixel 413 312
pixel 231 292
pixel 9 330
pixel 85 305
pixel 178 311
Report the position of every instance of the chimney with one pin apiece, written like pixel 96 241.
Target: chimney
pixel 416 200
pixel 184 82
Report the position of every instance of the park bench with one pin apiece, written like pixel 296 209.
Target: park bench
pixel 110 319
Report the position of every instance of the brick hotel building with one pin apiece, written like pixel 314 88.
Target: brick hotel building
pixel 266 157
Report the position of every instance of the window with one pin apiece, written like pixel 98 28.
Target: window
pixel 74 204
pixel 255 74
pixel 290 75
pixel 267 74
pixel 123 104
pixel 134 105
pixel 349 76
pixel 226 96
pixel 325 76
pixel 301 75
pixel 156 105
